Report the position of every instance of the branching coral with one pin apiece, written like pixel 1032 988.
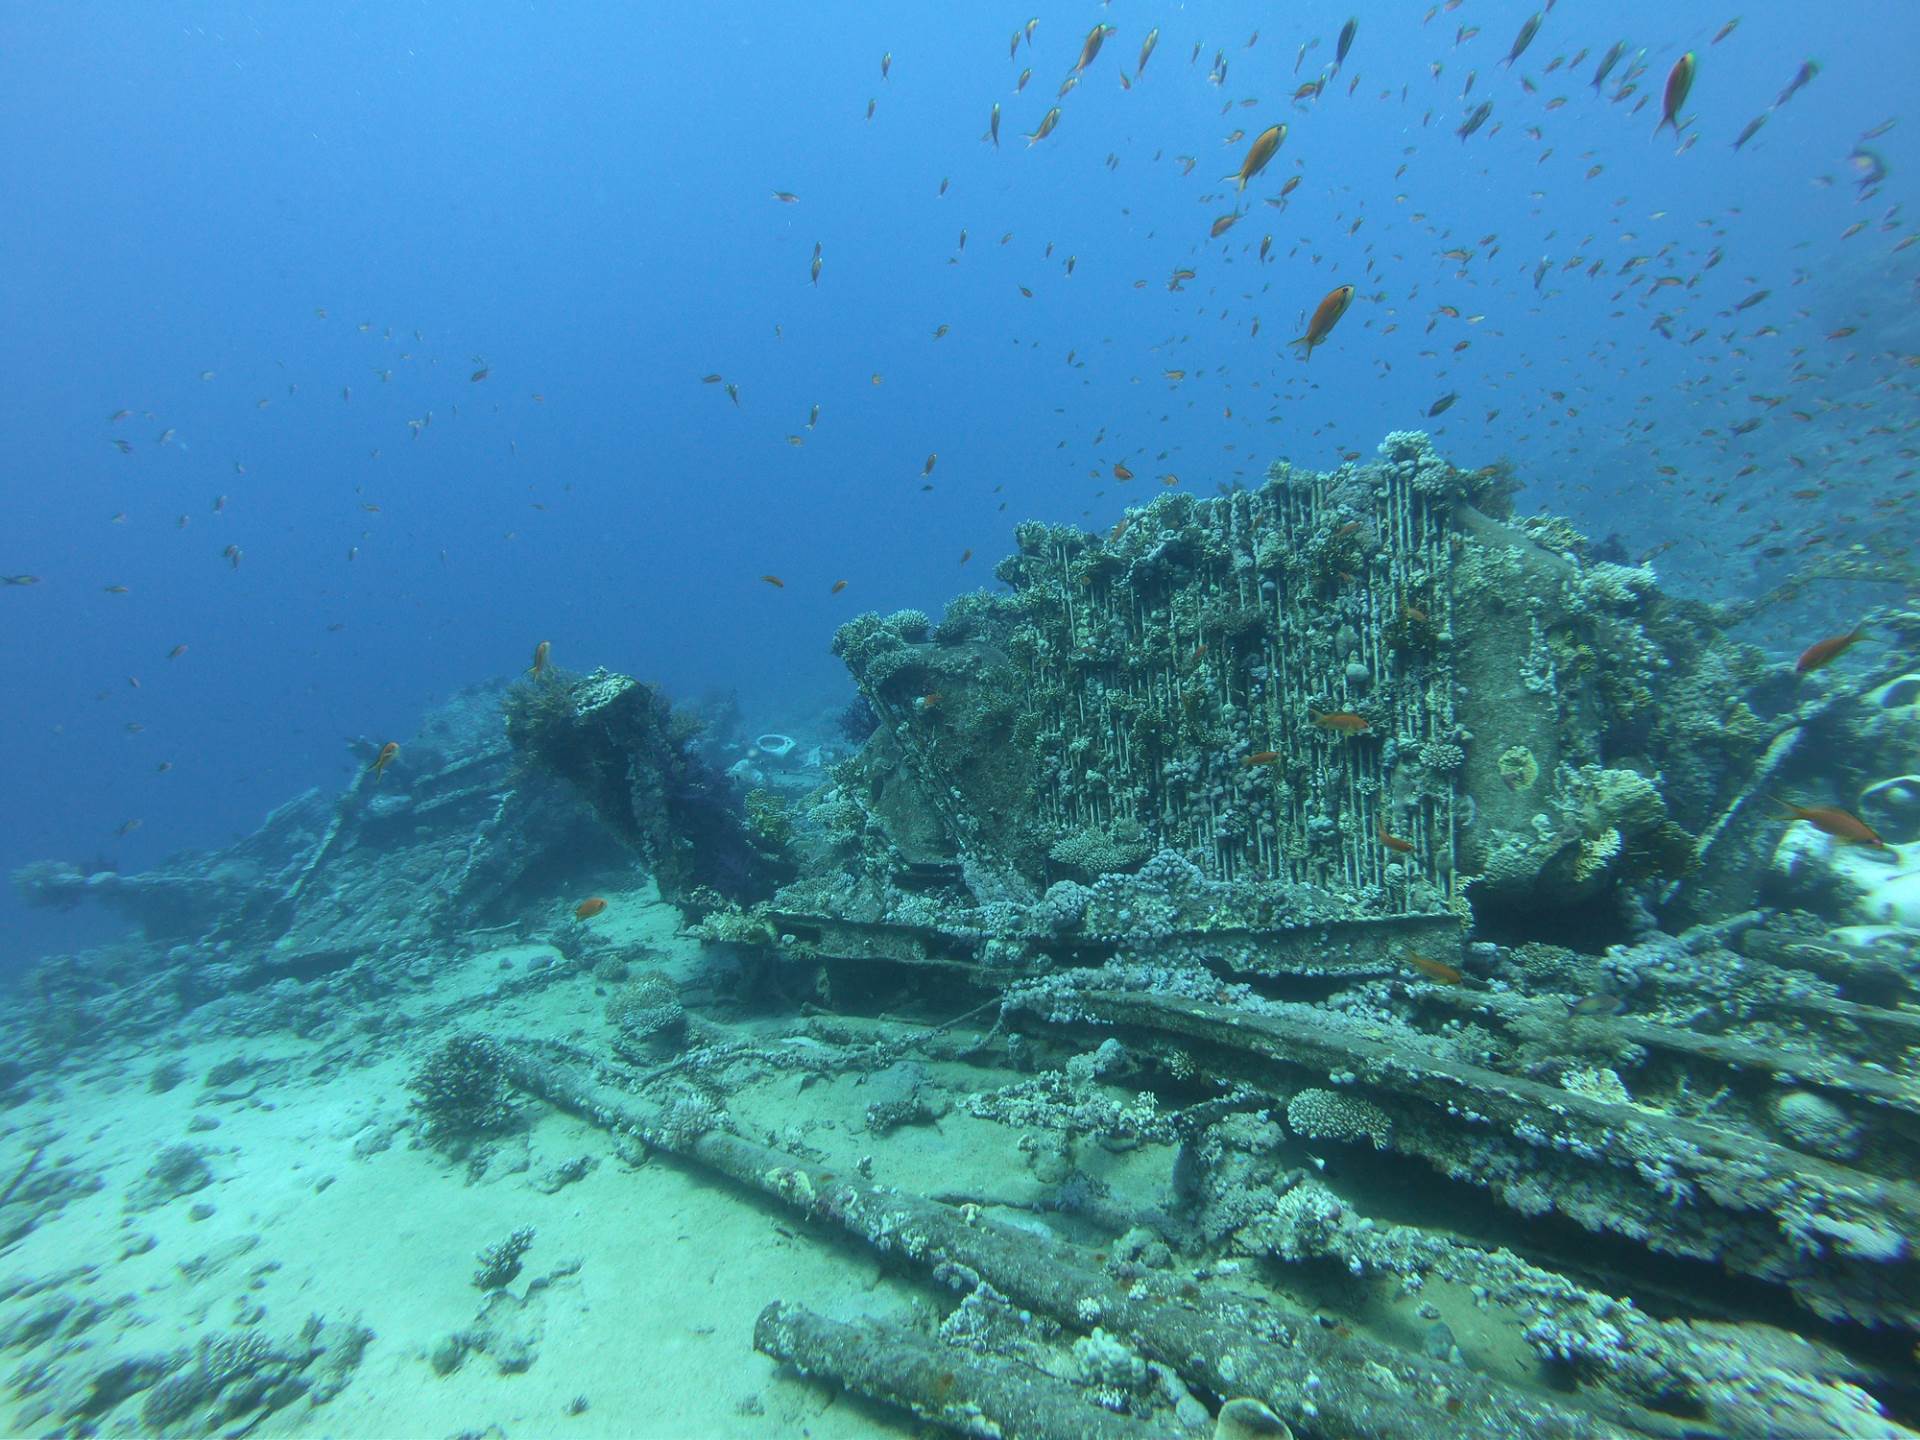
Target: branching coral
pixel 879 648
pixel 647 1017
pixel 460 1093
pixel 1120 845
pixel 500 1262
pixel 1614 587
pixel 1329 1115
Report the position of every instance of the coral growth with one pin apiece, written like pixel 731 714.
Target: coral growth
pixel 500 1262
pixel 647 1019
pixel 461 1094
pixel 1329 1115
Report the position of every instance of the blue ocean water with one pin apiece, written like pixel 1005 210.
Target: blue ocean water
pixel 287 238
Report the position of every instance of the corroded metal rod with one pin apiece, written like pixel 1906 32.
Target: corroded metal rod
pixel 958 1390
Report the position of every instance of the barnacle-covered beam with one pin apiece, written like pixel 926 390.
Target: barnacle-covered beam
pixel 961 1392
pixel 1837 1237
pixel 1226 1344
pixel 969 944
pixel 1745 1381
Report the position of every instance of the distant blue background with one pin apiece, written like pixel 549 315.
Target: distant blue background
pixel 579 197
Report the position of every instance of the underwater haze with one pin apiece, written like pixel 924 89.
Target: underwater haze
pixel 276 235
pixel 1113 721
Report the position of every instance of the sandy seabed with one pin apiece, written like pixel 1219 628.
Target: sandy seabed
pixel 640 1289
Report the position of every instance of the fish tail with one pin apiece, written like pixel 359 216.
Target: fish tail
pixel 1305 340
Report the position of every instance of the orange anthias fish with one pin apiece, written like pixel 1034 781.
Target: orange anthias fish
pixel 1344 721
pixel 539 657
pixel 1832 820
pixel 1260 757
pixel 1393 842
pixel 587 909
pixel 1121 472
pixel 1264 146
pixel 1432 969
pixel 1326 315
pixel 1825 652
pixel 385 758
pixel 838 586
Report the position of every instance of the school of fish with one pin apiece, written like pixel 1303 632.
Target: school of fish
pixel 1796 395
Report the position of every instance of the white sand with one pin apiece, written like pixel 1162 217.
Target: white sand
pixel 654 1330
